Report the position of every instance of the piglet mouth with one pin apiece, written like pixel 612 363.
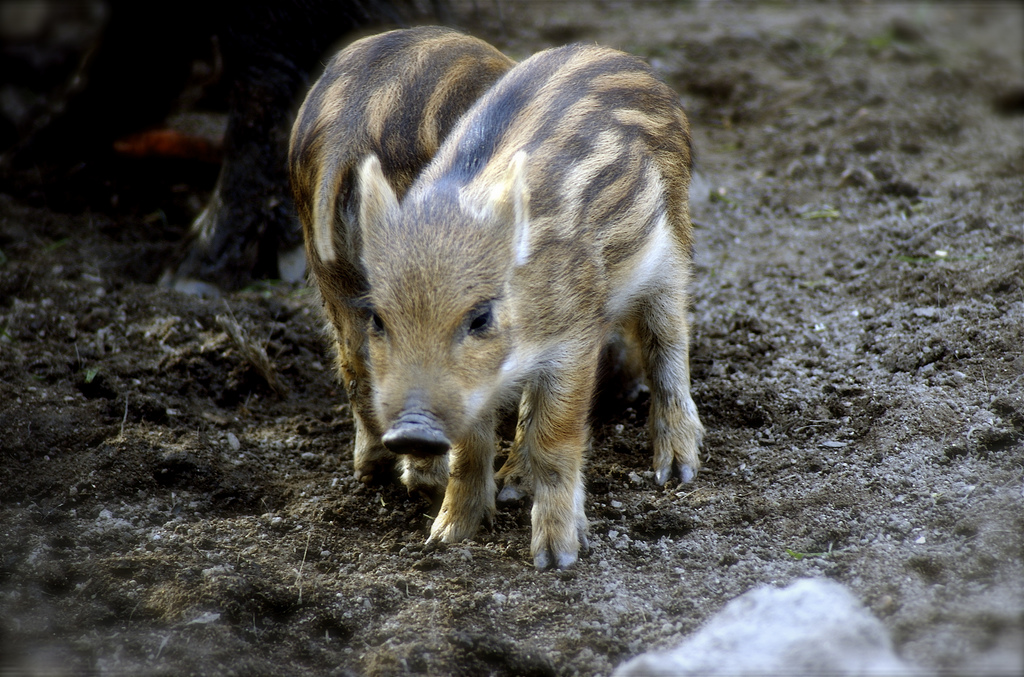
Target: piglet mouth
pixel 416 433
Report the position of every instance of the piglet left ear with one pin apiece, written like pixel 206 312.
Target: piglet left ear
pixel 511 199
pixel 376 198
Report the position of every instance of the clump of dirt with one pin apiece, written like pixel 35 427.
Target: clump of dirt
pixel 857 361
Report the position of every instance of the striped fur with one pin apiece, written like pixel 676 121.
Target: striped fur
pixel 555 212
pixel 397 96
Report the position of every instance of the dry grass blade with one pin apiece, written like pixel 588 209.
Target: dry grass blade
pixel 254 353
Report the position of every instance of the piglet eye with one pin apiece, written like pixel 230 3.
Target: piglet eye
pixel 376 322
pixel 480 322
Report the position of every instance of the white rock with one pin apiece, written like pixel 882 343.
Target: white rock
pixel 812 627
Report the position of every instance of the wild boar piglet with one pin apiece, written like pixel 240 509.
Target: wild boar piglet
pixel 554 213
pixel 396 95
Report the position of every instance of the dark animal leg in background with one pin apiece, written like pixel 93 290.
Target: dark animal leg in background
pixel 269 58
pixel 249 218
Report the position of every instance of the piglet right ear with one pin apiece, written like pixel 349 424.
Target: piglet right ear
pixel 511 197
pixel 376 198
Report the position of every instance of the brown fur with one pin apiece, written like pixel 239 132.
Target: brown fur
pixel 396 95
pixel 555 212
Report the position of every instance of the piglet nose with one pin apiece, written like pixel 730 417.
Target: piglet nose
pixel 417 434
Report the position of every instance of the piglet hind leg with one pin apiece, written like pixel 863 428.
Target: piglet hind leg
pixel 469 496
pixel 675 428
pixel 514 475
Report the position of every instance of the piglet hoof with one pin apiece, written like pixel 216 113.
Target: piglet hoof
pixel 374 475
pixel 453 527
pixel 543 560
pixel 190 286
pixel 685 473
pixel 375 470
pixel 433 545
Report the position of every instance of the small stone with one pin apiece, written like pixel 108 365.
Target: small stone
pixel 205 618
pixel 856 176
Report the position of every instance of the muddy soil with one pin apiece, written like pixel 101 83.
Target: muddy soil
pixel 857 360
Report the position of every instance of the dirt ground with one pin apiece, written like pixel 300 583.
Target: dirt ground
pixel 857 360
